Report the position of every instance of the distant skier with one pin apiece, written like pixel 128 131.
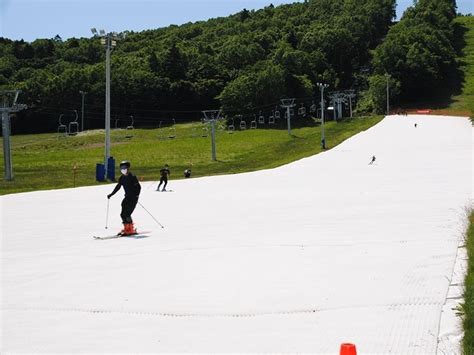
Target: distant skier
pixel 165 172
pixel 132 192
pixel 373 160
pixel 416 125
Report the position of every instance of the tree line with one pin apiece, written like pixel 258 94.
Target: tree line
pixel 237 63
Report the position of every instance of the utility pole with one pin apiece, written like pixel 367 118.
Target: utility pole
pixel 83 93
pixel 288 103
pixel 6 107
pixel 212 116
pixel 109 41
pixel 322 87
pixel 388 93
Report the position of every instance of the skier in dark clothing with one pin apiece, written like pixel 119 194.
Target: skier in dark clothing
pixel 165 172
pixel 132 192
pixel 373 160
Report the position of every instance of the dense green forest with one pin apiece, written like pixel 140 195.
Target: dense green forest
pixel 419 51
pixel 243 63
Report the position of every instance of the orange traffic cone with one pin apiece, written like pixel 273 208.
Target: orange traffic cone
pixel 348 349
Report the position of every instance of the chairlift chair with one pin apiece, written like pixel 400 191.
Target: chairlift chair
pixel 302 110
pixel 205 129
pixel 253 123
pixel 220 125
pixel 243 124
pixel 194 131
pixel 130 128
pixel 74 125
pixel 231 127
pixel 261 118
pixel 131 124
pixel 313 108
pixel 161 132
pixel 172 130
pixel 62 128
pixel 271 119
pixel 277 114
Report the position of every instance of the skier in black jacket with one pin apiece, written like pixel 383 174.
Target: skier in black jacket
pixel 165 172
pixel 132 192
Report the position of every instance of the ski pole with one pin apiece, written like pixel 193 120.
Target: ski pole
pixel 151 215
pixel 107 215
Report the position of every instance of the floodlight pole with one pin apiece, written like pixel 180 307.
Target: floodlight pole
pixel 83 93
pixel 323 139
pixel 288 103
pixel 107 105
pixel 109 42
pixel 5 108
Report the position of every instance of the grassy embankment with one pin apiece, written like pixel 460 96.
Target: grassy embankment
pixel 462 102
pixel 45 161
pixel 468 305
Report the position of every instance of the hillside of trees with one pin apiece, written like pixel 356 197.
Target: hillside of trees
pixel 419 54
pixel 238 63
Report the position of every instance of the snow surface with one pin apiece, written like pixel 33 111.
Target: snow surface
pixel 300 258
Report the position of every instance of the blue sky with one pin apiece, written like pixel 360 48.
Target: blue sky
pixel 31 19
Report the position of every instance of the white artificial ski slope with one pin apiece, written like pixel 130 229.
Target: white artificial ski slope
pixel 300 258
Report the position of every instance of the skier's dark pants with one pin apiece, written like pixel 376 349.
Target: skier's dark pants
pixel 128 206
pixel 165 180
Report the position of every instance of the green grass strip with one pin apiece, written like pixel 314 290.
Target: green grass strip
pixel 465 101
pixel 45 161
pixel 468 305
